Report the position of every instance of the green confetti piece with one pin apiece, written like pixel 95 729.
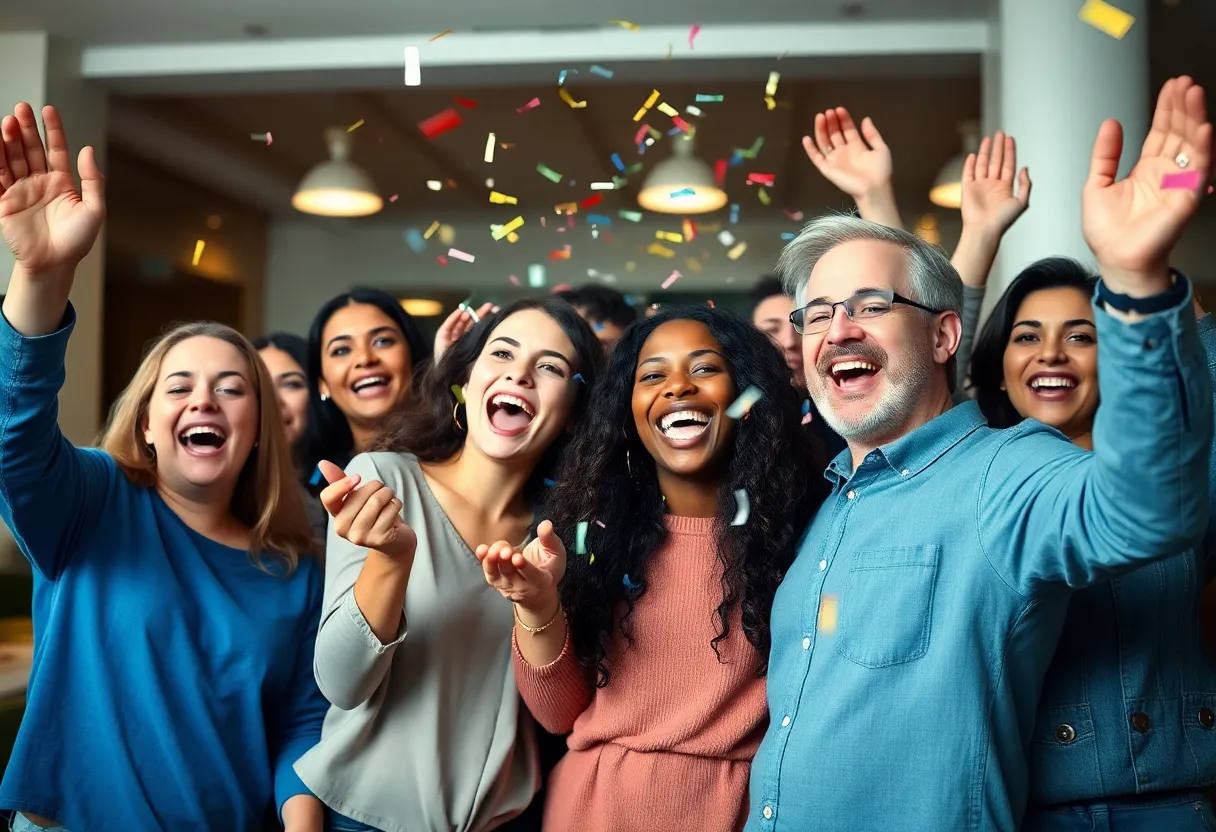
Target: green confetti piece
pixel 632 216
pixel 744 403
pixel 549 173
pixel 632 169
pixel 765 199
pixel 580 539
pixel 752 151
pixel 702 98
pixel 458 393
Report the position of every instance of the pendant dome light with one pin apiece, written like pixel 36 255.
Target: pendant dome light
pixel 338 187
pixel 666 188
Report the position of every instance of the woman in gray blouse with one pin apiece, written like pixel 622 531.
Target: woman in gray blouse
pixel 426 731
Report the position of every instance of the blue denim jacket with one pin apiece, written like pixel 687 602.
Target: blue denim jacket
pixel 939 573
pixel 1129 702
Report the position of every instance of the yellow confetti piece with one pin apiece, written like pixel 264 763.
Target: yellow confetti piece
pixel 355 126
pixel 666 109
pixel 441 34
pixel 566 208
pixel 737 252
pixel 1105 17
pixel 694 265
pixel 564 94
pixel 765 199
pixel 490 148
pixel 447 235
pixel 669 236
pixel 507 229
pixel 434 227
pixel 654 96
pixel 770 102
pixel 198 252
pixel 503 199
pixel 661 250
pixel 633 27
pixel 631 267
pixel 829 614
pixel 770 89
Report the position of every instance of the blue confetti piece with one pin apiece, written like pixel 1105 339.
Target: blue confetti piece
pixel 579 377
pixel 788 235
pixel 682 192
pixel 629 585
pixel 549 483
pixel 616 160
pixel 736 159
pixel 596 69
pixel 580 538
pixel 734 213
pixel 629 299
pixel 675 131
pixel 561 76
pixel 317 477
pixel 806 406
pixel 599 219
pixel 415 240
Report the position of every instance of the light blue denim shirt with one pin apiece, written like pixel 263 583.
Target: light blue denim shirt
pixel 1129 702
pixel 949 555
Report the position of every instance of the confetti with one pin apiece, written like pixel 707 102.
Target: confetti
pixel 752 151
pixel 564 94
pixel 740 407
pixel 443 261
pixel 666 109
pixel 616 160
pixel 761 179
pixel 579 378
pixel 734 213
pixel 600 523
pixel 561 76
pixel 441 34
pixel 670 236
pixel 457 390
pixel 642 131
pixel 672 278
pixel 661 250
pixel 592 201
pixel 508 228
pixel 355 126
pixel 603 186
pixel 599 219
pixel 694 265
pixel 629 585
pixel 591 560
pixel 743 507
pixel 490 141
pixel 413 70
pixel 737 252
pixel 726 238
pixel 693 111
pixel 549 174
pixel 654 96
pixel 562 253
pixel 771 103
pixel 1106 18
pixel 632 216
pixel 440 123
pixel 434 227
pixel 796 216
pixel 770 89
pixel 669 48
pixel 434 184
pixel 413 239
pixel 580 538
pixel 681 124
pixel 393 198
pixel 702 98
pixel 262 137
pixel 788 235
pixel 633 27
pixel 503 199
pixel 549 483
pixel 461 255
pixel 682 192
pixel 566 208
pixel 514 280
pixel 806 407
pixel 535 102
pixel 1188 180
pixel 600 71
pixel 198 252
pixel 829 612
pixel 765 199
pixel 447 234
pixel 692 33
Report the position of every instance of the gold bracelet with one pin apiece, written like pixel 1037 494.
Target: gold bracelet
pixel 543 627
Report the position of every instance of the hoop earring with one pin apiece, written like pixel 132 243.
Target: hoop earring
pixel 456 421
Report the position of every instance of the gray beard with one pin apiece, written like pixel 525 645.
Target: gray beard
pixel 903 386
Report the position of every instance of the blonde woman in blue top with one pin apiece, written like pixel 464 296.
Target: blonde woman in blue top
pixel 174 610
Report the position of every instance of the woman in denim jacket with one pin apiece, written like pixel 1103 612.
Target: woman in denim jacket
pixel 1125 733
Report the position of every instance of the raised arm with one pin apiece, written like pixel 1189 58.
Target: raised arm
pixel 856 162
pixel 991 205
pixel 1141 494
pixel 49 490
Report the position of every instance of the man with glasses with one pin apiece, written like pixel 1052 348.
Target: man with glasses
pixel 911 635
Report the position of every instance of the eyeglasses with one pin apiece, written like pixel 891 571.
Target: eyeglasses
pixel 863 306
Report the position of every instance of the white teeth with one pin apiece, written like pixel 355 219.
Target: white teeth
pixel 853 365
pixel 368 382
pixel 683 416
pixel 506 398
pixel 1053 381
pixel 201 430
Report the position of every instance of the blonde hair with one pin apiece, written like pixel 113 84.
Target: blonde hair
pixel 267 498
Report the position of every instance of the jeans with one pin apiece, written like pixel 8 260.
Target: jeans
pixel 1175 812
pixel 20 823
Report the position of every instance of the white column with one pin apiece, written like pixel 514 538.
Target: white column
pixel 40 70
pixel 1059 78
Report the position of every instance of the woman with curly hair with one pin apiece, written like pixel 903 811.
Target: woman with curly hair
pixel 651 642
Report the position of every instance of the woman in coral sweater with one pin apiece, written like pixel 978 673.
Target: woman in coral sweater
pixel 649 644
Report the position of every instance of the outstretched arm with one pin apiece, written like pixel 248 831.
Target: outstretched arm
pixel 857 162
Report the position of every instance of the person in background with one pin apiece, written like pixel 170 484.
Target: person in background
pixel 175 604
pixel 642 605
pixel 771 311
pixel 607 310
pixel 426 732
pixel 363 353
pixel 913 632
pixel 1124 729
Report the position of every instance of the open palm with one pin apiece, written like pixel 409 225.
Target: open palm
pixel 990 202
pixel 856 162
pixel 527 576
pixel 45 221
pixel 1131 225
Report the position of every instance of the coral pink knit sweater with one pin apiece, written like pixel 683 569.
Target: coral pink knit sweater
pixel 668 743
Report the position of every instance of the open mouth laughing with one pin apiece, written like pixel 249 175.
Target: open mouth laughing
pixel 1052 387
pixel 203 440
pixel 684 425
pixel 509 415
pixel 371 387
pixel 853 374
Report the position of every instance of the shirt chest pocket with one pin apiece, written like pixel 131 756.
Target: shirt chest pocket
pixel 886 607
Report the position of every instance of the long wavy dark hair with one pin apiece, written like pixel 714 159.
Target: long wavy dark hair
pixel 425 428
pixel 988 358
pixel 328 435
pixel 771 457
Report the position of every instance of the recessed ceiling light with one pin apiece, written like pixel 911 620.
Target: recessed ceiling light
pixel 214 222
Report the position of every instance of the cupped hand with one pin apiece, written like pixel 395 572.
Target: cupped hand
pixel 527 576
pixel 46 222
pixel 367 514
pixel 991 204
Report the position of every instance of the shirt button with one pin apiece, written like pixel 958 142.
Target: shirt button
pixel 1065 733
pixel 785 723
pixel 904 473
pixel 806 643
pixel 851 494
pixel 823 564
pixel 1141 723
pixel 768 813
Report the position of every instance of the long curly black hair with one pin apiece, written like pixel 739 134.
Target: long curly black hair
pixel 772 457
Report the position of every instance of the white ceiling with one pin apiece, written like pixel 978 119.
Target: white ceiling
pixel 174 21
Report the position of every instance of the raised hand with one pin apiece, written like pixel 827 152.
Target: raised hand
pixel 859 163
pixel 527 576
pixel 46 222
pixel 456 325
pixel 990 202
pixel 367 514
pixel 1131 225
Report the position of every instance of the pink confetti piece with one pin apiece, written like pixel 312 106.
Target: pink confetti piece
pixel 693 31
pixel 1188 180
pixel 796 216
pixel 393 198
pixel 720 172
pixel 681 123
pixel 443 261
pixel 600 524
pixel 461 255
pixel 761 179
pixel 670 280
pixel 637 139
pixel 440 123
pixel 514 280
pixel 535 102
pixel 542 220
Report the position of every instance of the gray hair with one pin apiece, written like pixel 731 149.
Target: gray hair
pixel 932 280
